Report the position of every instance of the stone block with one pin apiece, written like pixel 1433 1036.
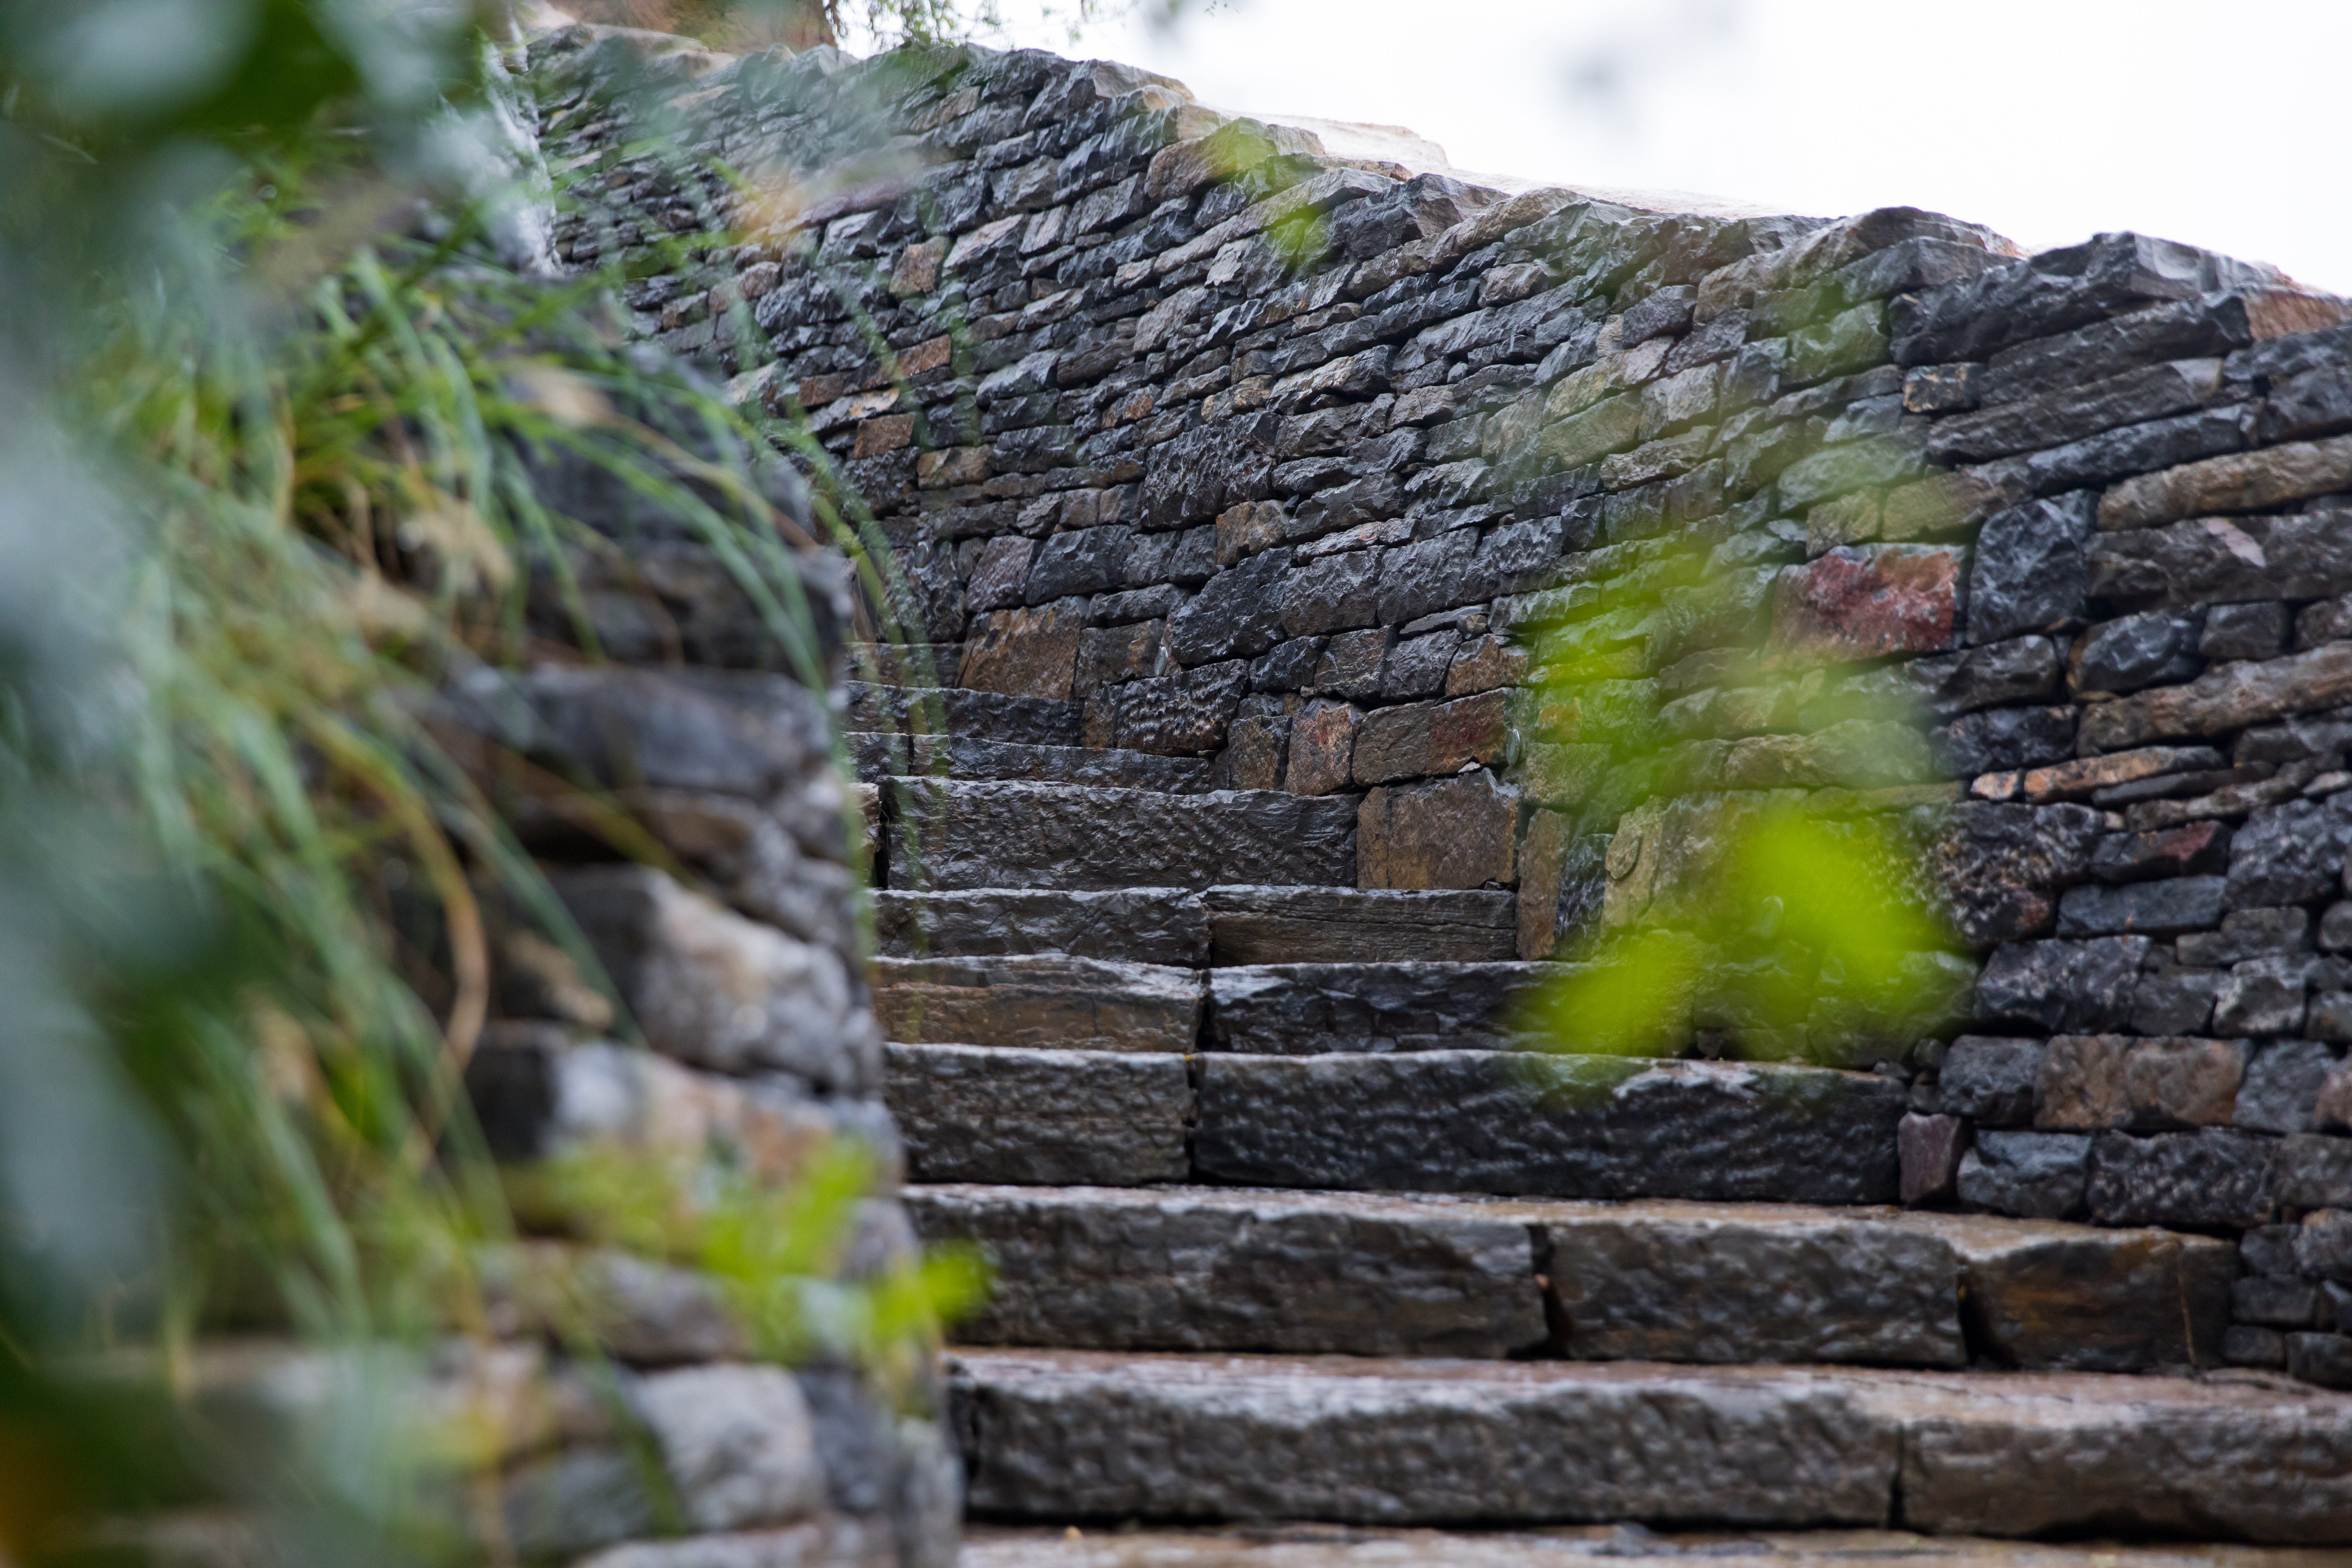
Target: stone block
pixel 1036 1001
pixel 2323 1244
pixel 738 1444
pixel 1332 593
pixel 2034 1175
pixel 1998 867
pixel 1322 746
pixel 710 987
pixel 1866 602
pixel 1077 561
pixel 2211 1178
pixel 2275 1301
pixel 1311 1273
pixel 2031 572
pixel 2063 987
pixel 2261 996
pixel 1485 664
pixel 1028 652
pixel 2281 1091
pixel 1303 1009
pixel 2314 1171
pixel 1256 747
pixel 1422 738
pixel 2148 909
pixel 1000 575
pixel 1929 1149
pixel 1183 714
pixel 1237 615
pixel 1575 1127
pixel 2245 631
pixel 1040 1117
pixel 1135 925
pixel 1444 833
pixel 2002 737
pixel 2289 854
pixel 2214 561
pixel 2194 849
pixel 1108 655
pixel 1991 1080
pixel 1543 864
pixel 2322 1359
pixel 1333 925
pixel 1350 664
pixel 2158 647
pixel 1417 667
pixel 2089 1081
pixel 1246 530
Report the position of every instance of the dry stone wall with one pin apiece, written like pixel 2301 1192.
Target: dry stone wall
pixel 1315 475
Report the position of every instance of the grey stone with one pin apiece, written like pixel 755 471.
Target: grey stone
pixel 574 1501
pixel 2016 670
pixel 1999 868
pixel 1080 561
pixel 1319 925
pixel 2247 1346
pixel 2223 561
pixel 2052 292
pixel 2274 932
pixel 1037 1001
pixel 1293 1009
pixel 971 757
pixel 2289 854
pixel 2275 1301
pixel 2031 572
pixel 1055 836
pixel 2195 849
pixel 2155 648
pixel 2073 987
pixel 2181 329
pixel 1310 1273
pixel 714 989
pixel 2209 1178
pixel 1333 592
pixel 2323 1359
pixel 2070 413
pixel 1417 667
pixel 1998 739
pixel 1204 471
pixel 2245 631
pixel 1559 1127
pixel 2261 996
pixel 738 1444
pixel 1041 1116
pixel 2034 1175
pixel 1186 714
pixel 1237 615
pixel 2150 908
pixel 2323 1244
pixel 2175 1002
pixel 1990 1079
pixel 2229 697
pixel 957 710
pixel 2314 1171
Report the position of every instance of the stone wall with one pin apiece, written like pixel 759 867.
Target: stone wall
pixel 1328 473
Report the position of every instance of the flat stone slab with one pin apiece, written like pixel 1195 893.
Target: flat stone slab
pixel 1205 1269
pixel 1333 925
pixel 1042 1002
pixel 959 710
pixel 1528 1124
pixel 1019 834
pixel 1393 1274
pixel 1094 1436
pixel 976 1113
pixel 1580 1546
pixel 881 755
pixel 1301 1009
pixel 1134 925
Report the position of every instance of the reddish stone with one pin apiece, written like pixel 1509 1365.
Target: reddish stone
pixel 1929 1149
pixel 1862 603
pixel 1322 746
pixel 1025 653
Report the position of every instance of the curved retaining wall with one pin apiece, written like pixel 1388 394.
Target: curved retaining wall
pixel 1299 463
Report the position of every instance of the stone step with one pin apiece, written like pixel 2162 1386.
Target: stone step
pixel 1500 1443
pixel 1526 1124
pixel 1038 1001
pixel 1301 1009
pixel 1137 925
pixel 1502 1123
pixel 1337 925
pixel 1270 1545
pixel 1020 834
pixel 955 711
pixel 1233 926
pixel 881 755
pixel 1209 1268
pixel 969 1113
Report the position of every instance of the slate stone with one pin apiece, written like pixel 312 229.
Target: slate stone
pixel 2031 572
pixel 1351 663
pixel 1419 739
pixel 2289 854
pixel 2209 1178
pixel 2033 1176
pixel 1442 833
pixel 2091 1081
pixel 2076 988
pixel 1189 713
pixel 1038 1001
pixel 1237 614
pixel 1990 1079
pixel 2175 1002
pixel 1076 836
pixel 1198 1268
pixel 1563 1127
pixel 1403 1443
pixel 1999 869
pixel 973 758
pixel 2314 1171
pixel 1998 739
pixel 1133 925
pixel 1040 1117
pixel 1866 601
pixel 1296 1009
pixel 2054 292
pixel 2150 908
pixel 2196 850
pixel 1206 470
pixel 1331 594
pixel 1028 653
pixel 1253 925
pixel 2016 670
pixel 2261 996
pixel 985 715
pixel 716 990
pixel 2071 413
pixel 1079 561
pixel 1929 1148
pixel 2280 1093
pixel 2043 1296
pixel 1390 1442
pixel 2305 556
pixel 2156 648
pixel 2245 631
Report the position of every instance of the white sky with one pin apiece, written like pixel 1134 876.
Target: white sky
pixel 2224 125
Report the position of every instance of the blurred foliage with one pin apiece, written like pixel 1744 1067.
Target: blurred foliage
pixel 283 342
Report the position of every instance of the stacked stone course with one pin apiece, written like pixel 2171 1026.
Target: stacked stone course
pixel 1252 505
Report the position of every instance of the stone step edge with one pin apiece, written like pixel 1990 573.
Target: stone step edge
pixel 1220 1436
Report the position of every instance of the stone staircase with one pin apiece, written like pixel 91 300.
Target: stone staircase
pixel 1286 1227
